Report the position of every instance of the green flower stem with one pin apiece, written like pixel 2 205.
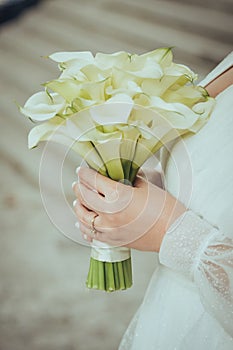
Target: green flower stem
pixel 109 276
pixel 116 276
pixel 126 165
pixel 121 274
pixel 133 172
pixel 89 277
pixel 101 276
pixel 95 276
pixel 112 276
pixel 129 277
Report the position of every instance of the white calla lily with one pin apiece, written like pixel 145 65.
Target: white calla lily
pixel 151 70
pixel 204 110
pixel 114 111
pixel 179 115
pixel 163 56
pixel 178 70
pixel 69 89
pixel 43 106
pixel 185 95
pixel 71 55
pixel 91 156
pixel 71 72
pixel 94 90
pixel 79 104
pixel 130 135
pixel 93 73
pixel 80 125
pixel 131 89
pixel 159 87
pixel 43 131
pixel 109 148
pixel 107 61
pixel 71 63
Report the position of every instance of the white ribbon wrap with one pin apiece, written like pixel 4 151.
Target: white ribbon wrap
pixel 106 253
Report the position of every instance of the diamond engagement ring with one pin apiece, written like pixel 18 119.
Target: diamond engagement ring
pixel 92 229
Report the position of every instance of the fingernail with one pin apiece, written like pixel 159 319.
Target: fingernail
pixel 76 224
pixel 77 170
pixel 85 236
pixel 74 202
pixel 73 184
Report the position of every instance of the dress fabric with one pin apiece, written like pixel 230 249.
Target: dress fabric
pixel 189 301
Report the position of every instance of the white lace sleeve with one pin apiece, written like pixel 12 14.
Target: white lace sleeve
pixel 198 250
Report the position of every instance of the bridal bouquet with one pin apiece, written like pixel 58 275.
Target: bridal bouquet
pixel 116 110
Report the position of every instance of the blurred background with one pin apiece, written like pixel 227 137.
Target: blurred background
pixel 44 304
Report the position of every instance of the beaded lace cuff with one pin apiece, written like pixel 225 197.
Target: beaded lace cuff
pixel 184 242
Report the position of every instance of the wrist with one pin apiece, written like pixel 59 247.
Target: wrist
pixel 172 211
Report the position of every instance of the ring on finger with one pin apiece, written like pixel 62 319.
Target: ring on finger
pixel 92 229
pixel 93 222
pixel 93 232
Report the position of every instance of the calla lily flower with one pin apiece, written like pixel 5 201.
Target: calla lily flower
pixel 64 57
pixel 69 88
pixel 42 106
pixel 109 148
pixel 150 69
pixel 108 61
pixel 113 112
pixel 130 135
pixel 163 56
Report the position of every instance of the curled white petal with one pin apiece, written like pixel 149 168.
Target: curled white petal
pixel 44 131
pixel 151 70
pixel 72 55
pixel 114 111
pixel 79 126
pixel 178 114
pixel 180 69
pixel 131 89
pixel 42 106
pixel 107 61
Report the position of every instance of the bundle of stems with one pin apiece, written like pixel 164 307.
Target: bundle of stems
pixel 116 275
pixel 109 276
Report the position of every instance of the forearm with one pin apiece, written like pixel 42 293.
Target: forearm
pixel 199 251
pixel 219 84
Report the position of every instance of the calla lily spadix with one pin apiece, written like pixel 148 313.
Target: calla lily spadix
pixel 115 111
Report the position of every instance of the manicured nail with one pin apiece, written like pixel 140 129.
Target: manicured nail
pixel 77 170
pixel 73 184
pixel 74 202
pixel 76 224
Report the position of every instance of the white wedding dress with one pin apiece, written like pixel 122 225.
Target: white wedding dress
pixel 189 301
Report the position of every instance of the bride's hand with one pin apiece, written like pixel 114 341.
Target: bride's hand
pixel 136 217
